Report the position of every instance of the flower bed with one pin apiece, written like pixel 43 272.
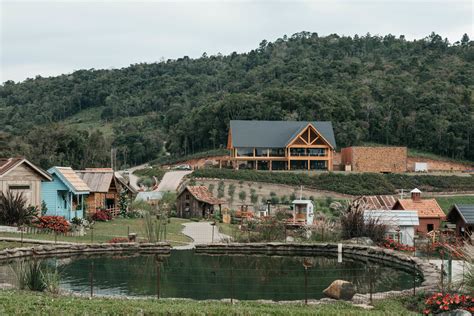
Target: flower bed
pixel 438 303
pixel 101 216
pixel 395 245
pixel 54 223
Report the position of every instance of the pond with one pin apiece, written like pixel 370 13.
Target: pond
pixel 185 274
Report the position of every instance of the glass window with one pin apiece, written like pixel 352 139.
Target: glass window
pixel 298 151
pixel 261 152
pixel 319 152
pixel 244 152
pixel 277 152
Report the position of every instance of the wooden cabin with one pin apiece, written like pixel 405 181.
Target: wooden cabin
pixel 104 190
pixel 197 202
pixel 281 145
pixel 20 176
pixel 463 216
pixel 65 194
pixel 430 213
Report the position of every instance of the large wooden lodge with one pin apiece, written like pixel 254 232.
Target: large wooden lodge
pixel 281 145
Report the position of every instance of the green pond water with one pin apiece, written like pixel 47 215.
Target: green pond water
pixel 185 274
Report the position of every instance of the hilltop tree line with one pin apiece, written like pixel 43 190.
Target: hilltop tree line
pixel 386 90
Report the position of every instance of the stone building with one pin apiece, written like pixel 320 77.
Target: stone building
pixel 374 159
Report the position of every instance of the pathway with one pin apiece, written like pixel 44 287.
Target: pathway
pixel 201 233
pixel 171 180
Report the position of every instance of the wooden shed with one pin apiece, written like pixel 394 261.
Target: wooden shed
pixel 104 192
pixel 463 216
pixel 20 176
pixel 197 201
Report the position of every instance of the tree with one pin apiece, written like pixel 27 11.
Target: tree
pixel 123 203
pixel 242 196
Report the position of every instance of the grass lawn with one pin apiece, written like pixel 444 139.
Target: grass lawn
pixel 29 303
pixel 119 227
pixel 446 202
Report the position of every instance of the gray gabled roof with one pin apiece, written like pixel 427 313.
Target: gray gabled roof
pixel 393 217
pixel 466 211
pixel 274 134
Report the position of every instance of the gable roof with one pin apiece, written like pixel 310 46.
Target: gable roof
pixel 275 134
pixel 393 217
pixel 124 183
pixel 149 195
pixel 377 202
pixel 201 193
pixel 8 164
pixel 97 179
pixel 427 208
pixel 466 211
pixel 70 179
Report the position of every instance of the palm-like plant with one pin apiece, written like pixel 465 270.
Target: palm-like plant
pixel 13 209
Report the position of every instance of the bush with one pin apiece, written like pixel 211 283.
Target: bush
pixel 353 225
pixel 354 183
pixel 439 303
pixel 13 209
pixel 395 245
pixel 101 216
pixel 118 240
pixel 57 224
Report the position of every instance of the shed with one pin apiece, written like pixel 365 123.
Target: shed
pixel 151 197
pixel 20 176
pixel 401 224
pixel 65 195
pixel 103 189
pixel 197 201
pixel 463 216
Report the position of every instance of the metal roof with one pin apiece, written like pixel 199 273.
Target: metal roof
pixel 97 179
pixel 394 218
pixel 149 195
pixel 274 134
pixel 466 211
pixel 70 179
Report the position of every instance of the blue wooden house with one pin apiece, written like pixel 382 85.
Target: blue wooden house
pixel 65 195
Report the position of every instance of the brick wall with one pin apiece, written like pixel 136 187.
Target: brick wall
pixel 375 159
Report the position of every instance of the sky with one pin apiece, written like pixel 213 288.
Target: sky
pixel 49 38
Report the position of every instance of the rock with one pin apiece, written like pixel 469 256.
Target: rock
pixel 340 290
pixel 366 241
pixel 289 239
pixel 456 312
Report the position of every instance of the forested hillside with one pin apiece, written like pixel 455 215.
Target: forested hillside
pixel 378 89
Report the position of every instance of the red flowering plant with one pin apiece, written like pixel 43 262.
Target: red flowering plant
pixel 445 248
pixel 438 303
pixel 390 243
pixel 118 240
pixel 101 216
pixel 55 223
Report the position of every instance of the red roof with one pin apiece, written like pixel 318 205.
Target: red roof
pixel 427 208
pixel 8 164
pixel 201 193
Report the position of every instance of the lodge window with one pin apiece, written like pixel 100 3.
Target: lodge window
pixel 319 152
pixel 244 152
pixel 261 152
pixel 298 151
pixel 277 152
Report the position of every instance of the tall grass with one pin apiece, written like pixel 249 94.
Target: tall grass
pixel 34 276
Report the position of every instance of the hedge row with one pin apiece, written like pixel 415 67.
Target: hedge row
pixel 352 183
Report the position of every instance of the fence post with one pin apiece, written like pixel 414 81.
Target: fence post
pixel 22 237
pixel 370 286
pixel 442 271
pixel 55 237
pixel 414 279
pixel 92 235
pixel 232 282
pixel 158 276
pixel 305 285
pixel 91 277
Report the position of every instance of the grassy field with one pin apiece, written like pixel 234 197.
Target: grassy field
pixel 119 227
pixel 447 202
pixel 28 303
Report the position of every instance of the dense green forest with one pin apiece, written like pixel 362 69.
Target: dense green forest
pixel 382 89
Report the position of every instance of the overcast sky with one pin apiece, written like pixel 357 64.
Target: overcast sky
pixel 53 37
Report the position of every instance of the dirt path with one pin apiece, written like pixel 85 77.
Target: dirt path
pixel 202 233
pixel 171 180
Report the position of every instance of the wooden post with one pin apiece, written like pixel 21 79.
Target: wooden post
pixel 308 164
pixel 91 278
pixel 270 163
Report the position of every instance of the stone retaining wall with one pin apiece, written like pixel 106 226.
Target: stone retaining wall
pixel 430 273
pixel 84 249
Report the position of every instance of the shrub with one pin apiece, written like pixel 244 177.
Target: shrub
pixel 33 275
pixel 242 196
pixel 55 223
pixel 353 225
pixel 395 245
pixel 439 303
pixel 118 240
pixel 101 216
pixel 13 209
pixel 220 189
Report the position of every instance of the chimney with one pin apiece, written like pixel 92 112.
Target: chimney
pixel 415 195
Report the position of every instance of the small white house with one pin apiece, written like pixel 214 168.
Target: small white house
pixel 303 212
pixel 401 224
